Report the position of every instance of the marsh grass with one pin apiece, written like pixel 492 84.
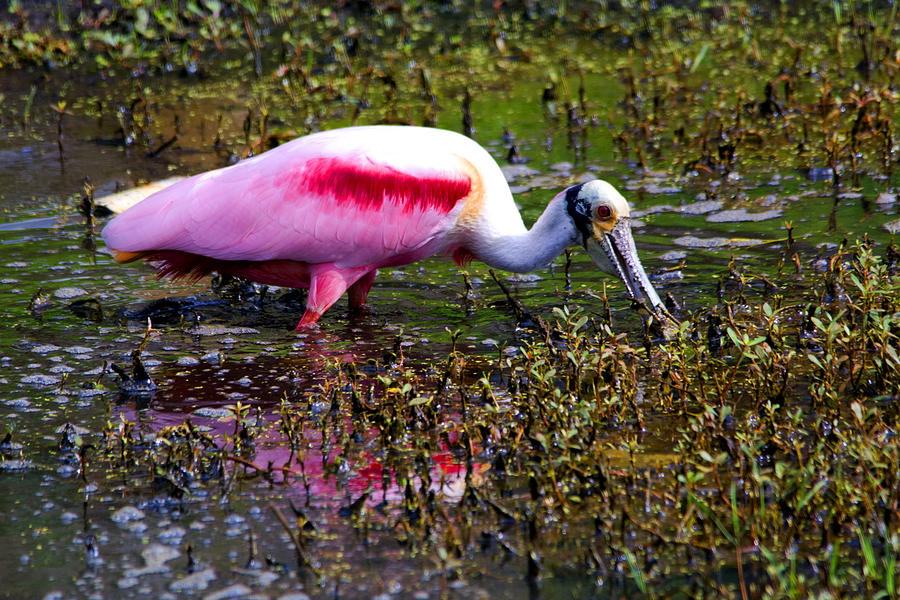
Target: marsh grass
pixel 776 474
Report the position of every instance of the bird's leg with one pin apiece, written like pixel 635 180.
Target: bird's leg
pixel 359 290
pixel 327 283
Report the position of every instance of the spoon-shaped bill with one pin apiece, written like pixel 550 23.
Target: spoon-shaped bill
pixel 615 253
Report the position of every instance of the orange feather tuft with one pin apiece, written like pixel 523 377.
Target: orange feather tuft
pixel 126 257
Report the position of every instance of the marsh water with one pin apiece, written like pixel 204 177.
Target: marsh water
pixel 557 99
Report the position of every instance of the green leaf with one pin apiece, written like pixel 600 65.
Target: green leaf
pixel 833 566
pixel 734 336
pixel 636 572
pixel 809 495
pixel 704 507
pixel 868 553
pixel 699 58
pixel 735 517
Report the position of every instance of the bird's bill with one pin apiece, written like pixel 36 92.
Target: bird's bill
pixel 614 252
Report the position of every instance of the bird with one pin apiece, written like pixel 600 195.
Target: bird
pixel 327 210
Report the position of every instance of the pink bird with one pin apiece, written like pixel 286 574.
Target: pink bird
pixel 326 211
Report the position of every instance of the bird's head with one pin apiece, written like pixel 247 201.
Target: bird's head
pixel 603 224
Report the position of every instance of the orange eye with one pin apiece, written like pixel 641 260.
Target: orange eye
pixel 603 212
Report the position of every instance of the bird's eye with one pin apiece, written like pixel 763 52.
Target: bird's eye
pixel 603 212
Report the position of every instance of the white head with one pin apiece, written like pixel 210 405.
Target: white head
pixel 602 220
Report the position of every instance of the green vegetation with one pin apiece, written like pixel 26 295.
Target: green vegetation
pixel 778 474
pixel 466 439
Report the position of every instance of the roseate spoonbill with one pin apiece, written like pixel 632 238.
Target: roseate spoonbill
pixel 327 210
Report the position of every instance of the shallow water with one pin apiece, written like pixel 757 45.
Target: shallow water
pixel 212 350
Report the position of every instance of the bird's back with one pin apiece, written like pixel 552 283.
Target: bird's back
pixel 356 196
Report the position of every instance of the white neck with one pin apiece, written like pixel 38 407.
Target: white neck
pixel 525 251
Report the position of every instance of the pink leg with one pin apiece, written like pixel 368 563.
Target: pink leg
pixel 327 284
pixel 359 290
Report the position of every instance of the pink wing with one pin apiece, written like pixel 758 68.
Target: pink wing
pixel 336 197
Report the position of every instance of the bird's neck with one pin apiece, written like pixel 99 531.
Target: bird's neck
pixel 527 250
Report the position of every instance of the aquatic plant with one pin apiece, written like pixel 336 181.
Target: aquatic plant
pixel 750 450
pixel 776 449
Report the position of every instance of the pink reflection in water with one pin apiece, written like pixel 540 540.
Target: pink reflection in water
pixel 325 475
